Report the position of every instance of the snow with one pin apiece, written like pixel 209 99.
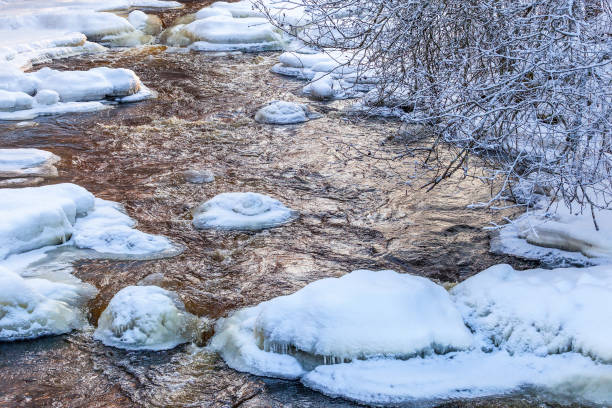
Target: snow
pixel 242 211
pixel 148 24
pixel 283 113
pixel 145 318
pixel 364 314
pixel 57 92
pixel 66 213
pixel 27 162
pixel 34 307
pixel 463 375
pixel 107 229
pixel 558 238
pixel 541 311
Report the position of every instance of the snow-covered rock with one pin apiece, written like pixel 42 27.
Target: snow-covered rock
pixel 463 375
pixel 541 311
pixel 362 315
pixel 58 92
pixel 27 163
pixel 145 318
pixel 148 24
pixel 557 239
pixel 284 113
pixel 226 33
pixel 34 307
pixel 35 217
pixel 242 211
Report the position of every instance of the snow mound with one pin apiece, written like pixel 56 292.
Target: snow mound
pixel 284 113
pixel 242 211
pixel 364 314
pixel 58 92
pixel 27 163
pixel 36 307
pixel 560 239
pixel 148 24
pixel 541 311
pixel 145 318
pixel 66 213
pixel 462 375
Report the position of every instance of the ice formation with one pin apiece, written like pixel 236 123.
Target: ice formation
pixel 34 307
pixel 242 211
pixel 558 239
pixel 48 91
pixel 145 318
pixel 541 311
pixel 362 315
pixel 198 176
pixel 35 217
pixel 284 113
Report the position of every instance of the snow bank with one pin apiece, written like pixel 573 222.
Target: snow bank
pixel 27 163
pixel 33 307
pixel 284 113
pixel 559 239
pixel 364 314
pixel 66 213
pixel 145 318
pixel 65 91
pixel 242 211
pixel 463 375
pixel 541 311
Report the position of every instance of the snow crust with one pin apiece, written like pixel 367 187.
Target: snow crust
pixel 541 311
pixel 34 307
pixel 145 318
pixel 284 113
pixel 35 217
pixel 58 92
pixel 242 211
pixel 562 238
pixel 364 314
pixel 26 165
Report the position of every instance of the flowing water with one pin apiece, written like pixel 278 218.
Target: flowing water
pixel 341 174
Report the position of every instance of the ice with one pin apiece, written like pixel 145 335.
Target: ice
pixel 283 113
pixel 68 214
pixel 558 238
pixel 364 314
pixel 34 307
pixel 541 311
pixel 107 229
pixel 145 318
pixel 463 375
pixel 27 163
pixel 242 211
pixel 57 92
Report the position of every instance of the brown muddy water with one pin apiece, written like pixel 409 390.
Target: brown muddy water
pixel 356 212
